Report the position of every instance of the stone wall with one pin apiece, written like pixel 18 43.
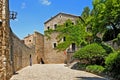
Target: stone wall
pixel 51 55
pixel 5 69
pixel 36 41
pixel 39 47
pixel 21 53
pixel 14 54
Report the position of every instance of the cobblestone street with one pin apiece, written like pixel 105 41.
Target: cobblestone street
pixel 53 72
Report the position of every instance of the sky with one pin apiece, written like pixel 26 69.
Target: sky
pixel 31 14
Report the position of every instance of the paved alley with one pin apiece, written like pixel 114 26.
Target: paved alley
pixel 53 72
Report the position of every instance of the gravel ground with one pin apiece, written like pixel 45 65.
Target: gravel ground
pixel 53 72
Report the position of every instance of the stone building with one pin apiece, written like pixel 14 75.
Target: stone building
pixel 36 41
pixel 51 55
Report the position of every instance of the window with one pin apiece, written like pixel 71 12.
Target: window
pixel 64 38
pixel 54 45
pixel 73 46
pixel 48 27
pixel 55 26
pixel 29 40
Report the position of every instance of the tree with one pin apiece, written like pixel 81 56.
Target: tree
pixel 106 14
pixel 85 14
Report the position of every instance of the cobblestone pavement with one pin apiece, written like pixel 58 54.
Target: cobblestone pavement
pixel 53 72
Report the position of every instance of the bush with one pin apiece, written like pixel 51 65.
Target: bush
pixel 95 69
pixel 82 66
pixel 93 53
pixel 107 48
pixel 113 65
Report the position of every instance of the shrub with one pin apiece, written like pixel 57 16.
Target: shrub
pixel 82 66
pixel 95 69
pixel 93 53
pixel 107 48
pixel 113 65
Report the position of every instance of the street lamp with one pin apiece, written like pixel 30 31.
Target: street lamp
pixel 12 15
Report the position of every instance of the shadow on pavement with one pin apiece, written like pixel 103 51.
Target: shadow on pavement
pixel 90 78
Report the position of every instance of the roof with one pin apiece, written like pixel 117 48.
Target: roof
pixel 61 14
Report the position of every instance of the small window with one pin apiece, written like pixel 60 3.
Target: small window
pixel 73 46
pixel 55 26
pixel 29 40
pixel 48 27
pixel 64 38
pixel 54 45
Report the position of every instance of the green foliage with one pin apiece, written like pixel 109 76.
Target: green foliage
pixel 113 65
pixel 74 33
pixel 85 13
pixel 48 32
pixel 93 53
pixel 118 36
pixel 107 48
pixel 105 13
pixel 95 69
pixel 117 40
pixel 82 66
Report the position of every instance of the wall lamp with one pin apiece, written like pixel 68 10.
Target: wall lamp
pixel 12 15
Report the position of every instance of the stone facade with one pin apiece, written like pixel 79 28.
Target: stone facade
pixel 51 55
pixel 5 70
pixel 36 41
pixel 20 53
